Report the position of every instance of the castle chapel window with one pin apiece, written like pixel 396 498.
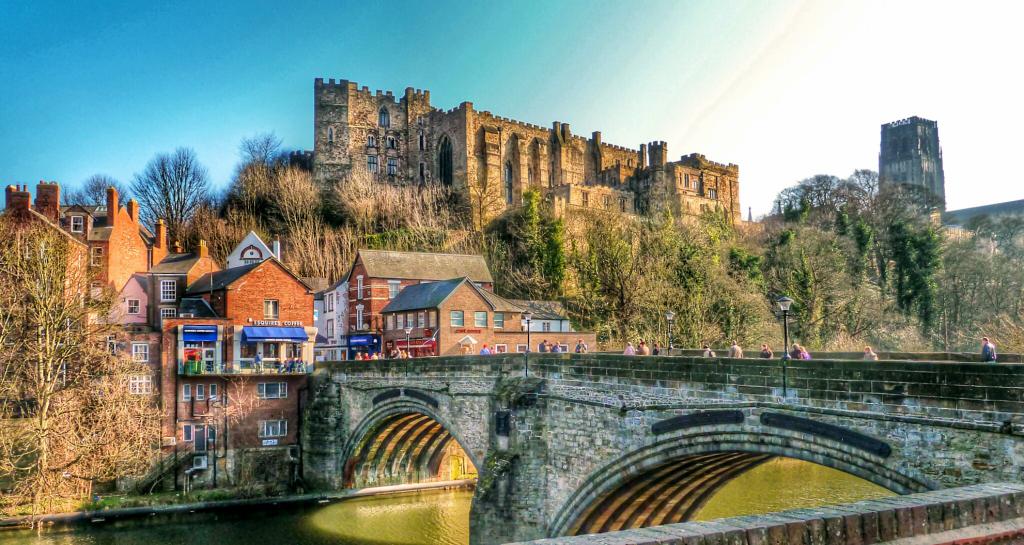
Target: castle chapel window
pixel 384 118
pixel 508 183
pixel 392 143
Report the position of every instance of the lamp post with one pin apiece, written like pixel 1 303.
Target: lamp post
pixel 784 304
pixel 670 317
pixel 527 317
pixel 408 342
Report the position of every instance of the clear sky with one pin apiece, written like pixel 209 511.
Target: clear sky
pixel 784 89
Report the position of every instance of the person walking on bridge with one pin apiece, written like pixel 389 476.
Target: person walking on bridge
pixel 869 354
pixel 629 351
pixel 766 352
pixel 735 351
pixel 988 350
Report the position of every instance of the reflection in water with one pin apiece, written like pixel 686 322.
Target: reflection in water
pixel 442 517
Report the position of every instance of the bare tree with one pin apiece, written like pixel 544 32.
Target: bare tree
pixel 93 191
pixel 172 187
pixel 70 418
pixel 263 148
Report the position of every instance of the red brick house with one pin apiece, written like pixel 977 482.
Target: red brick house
pixel 456 316
pixel 235 360
pixel 377 277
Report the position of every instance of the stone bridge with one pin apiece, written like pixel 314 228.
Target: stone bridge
pixel 572 444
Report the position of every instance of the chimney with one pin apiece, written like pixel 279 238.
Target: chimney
pixel 177 247
pixel 204 251
pixel 111 206
pixel 17 198
pixel 275 247
pixel 133 210
pixel 161 234
pixel 48 200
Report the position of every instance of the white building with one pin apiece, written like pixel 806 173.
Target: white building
pixel 546 315
pixel 252 249
pixel 332 323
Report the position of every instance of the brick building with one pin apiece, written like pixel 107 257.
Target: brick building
pixel 235 360
pixel 457 316
pixel 492 160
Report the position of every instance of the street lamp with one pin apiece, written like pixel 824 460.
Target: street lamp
pixel 527 317
pixel 784 304
pixel 408 342
pixel 670 317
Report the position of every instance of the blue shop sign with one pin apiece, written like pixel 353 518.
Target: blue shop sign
pixel 362 340
pixel 199 333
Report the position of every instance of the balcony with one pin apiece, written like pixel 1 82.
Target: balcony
pixel 244 367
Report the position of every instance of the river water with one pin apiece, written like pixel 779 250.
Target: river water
pixel 442 517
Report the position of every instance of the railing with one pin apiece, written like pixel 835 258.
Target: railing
pixel 245 367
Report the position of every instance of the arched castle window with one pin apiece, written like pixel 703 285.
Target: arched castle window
pixel 392 143
pixel 508 183
pixel 444 161
pixel 423 141
pixel 371 141
pixel 330 135
pixel 384 118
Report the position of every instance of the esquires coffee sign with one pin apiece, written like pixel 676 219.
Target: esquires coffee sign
pixel 277 323
pixel 468 330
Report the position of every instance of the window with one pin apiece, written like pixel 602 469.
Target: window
pixel 409 319
pixel 359 317
pixel 140 352
pixel 508 183
pixel 359 287
pixel 445 170
pixel 391 321
pixel 392 166
pixel 168 312
pixel 480 318
pixel 384 118
pixel 200 392
pixel 521 348
pixel 77 224
pixel 273 428
pixel 140 384
pixel 499 320
pixel 586 199
pixel 213 393
pixel 500 348
pixel 433 319
pixel 97 256
pixel 330 135
pixel 622 204
pixel 329 302
pixel 371 163
pixel 423 172
pixel 394 286
pixel 607 201
pixel 400 321
pixel 271 309
pixel 186 392
pixel 330 329
pixel 545 326
pixel 456 318
pixel 686 181
pixel 371 141
pixel 133 306
pixel 421 319
pixel 168 291
pixel 272 390
pixel 423 141
pixel 712 193
pixel 392 142
pixel 186 433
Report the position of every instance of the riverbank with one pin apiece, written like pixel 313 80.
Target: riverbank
pixel 160 513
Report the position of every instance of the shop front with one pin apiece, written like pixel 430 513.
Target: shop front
pixel 417 348
pixel 363 345
pixel 266 349
pixel 199 350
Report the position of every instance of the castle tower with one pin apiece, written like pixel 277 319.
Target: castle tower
pixel 910 154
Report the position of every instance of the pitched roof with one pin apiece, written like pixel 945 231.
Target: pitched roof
pixel 175 264
pixel 497 302
pixel 424 265
pixel 220 279
pixel 543 310
pixel 197 307
pixel 316 283
pixel 421 296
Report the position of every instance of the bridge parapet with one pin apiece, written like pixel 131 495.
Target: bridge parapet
pixel 990 513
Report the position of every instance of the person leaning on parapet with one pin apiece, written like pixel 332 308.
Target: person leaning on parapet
pixel 629 351
pixel 581 347
pixel 642 349
pixel 869 354
pixel 543 346
pixel 766 352
pixel 708 352
pixel 735 351
pixel 988 350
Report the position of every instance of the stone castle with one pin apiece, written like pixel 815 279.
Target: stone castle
pixel 492 160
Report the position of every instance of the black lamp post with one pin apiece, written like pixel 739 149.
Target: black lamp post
pixel 408 342
pixel 670 317
pixel 527 317
pixel 784 304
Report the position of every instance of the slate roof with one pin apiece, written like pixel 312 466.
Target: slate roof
pixel 316 283
pixel 196 306
pixel 424 265
pixel 175 264
pixel 220 279
pixel 432 294
pixel 964 215
pixel 543 310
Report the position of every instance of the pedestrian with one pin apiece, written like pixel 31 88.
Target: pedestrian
pixel 581 347
pixel 869 354
pixel 735 351
pixel 795 352
pixel 485 351
pixel 543 346
pixel 766 352
pixel 629 351
pixel 556 348
pixel 708 352
pixel 804 354
pixel 375 356
pixel 988 350
pixel 656 350
pixel 644 349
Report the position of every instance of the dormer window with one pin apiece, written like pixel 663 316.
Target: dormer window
pixel 77 224
pixel 384 118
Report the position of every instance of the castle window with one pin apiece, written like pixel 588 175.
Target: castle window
pixel 622 204
pixel 371 141
pixel 371 163
pixel 712 193
pixel 444 161
pixel 586 199
pixel 330 135
pixel 392 166
pixel 529 175
pixel 508 183
pixel 423 141
pixel 392 143
pixel 384 118
pixel 607 201
pixel 423 172
pixel 629 163
pixel 686 181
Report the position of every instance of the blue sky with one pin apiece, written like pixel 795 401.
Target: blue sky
pixel 784 89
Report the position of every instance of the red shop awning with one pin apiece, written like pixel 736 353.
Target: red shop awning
pixel 416 343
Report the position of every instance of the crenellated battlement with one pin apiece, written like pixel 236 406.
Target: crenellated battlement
pixel 700 161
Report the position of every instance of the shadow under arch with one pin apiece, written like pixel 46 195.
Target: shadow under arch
pixel 671 478
pixel 401 442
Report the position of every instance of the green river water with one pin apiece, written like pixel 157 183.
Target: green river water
pixel 442 517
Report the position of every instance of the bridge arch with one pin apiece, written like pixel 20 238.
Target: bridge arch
pixel 404 441
pixel 671 477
